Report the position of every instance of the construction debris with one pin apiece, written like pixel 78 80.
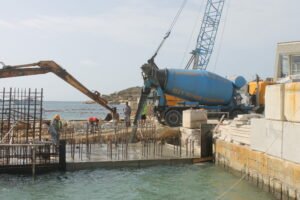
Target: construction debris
pixel 237 130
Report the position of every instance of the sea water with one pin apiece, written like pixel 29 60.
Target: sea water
pixel 76 110
pixel 188 182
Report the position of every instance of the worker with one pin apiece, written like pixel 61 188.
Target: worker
pixel 115 116
pixel 253 98
pixel 93 123
pixel 127 113
pixel 55 128
pixel 144 114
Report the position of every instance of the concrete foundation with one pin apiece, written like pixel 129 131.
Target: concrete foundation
pixel 134 163
pixel 272 174
pixel 194 118
pixel 201 138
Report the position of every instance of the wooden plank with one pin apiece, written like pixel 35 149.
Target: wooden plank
pixel 199 160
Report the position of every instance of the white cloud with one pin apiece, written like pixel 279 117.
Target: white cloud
pixel 117 39
pixel 123 24
pixel 6 24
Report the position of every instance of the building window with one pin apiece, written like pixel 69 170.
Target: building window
pixel 295 65
pixel 284 65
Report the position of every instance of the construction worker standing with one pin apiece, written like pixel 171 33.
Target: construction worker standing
pixel 55 129
pixel 127 113
pixel 93 124
pixel 144 113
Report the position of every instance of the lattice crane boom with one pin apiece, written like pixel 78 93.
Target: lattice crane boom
pixel 207 35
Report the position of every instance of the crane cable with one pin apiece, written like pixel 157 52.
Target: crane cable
pixel 192 33
pixel 169 30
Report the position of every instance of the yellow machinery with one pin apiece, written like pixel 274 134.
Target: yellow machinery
pixel 173 101
pixel 44 67
pixel 261 86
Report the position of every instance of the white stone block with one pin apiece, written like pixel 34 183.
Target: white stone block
pixel 292 102
pixel 291 139
pixel 258 134
pixel 274 102
pixel 274 138
pixel 194 118
pixel 190 134
pixel 266 136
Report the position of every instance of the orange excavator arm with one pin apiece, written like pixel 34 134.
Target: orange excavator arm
pixel 44 67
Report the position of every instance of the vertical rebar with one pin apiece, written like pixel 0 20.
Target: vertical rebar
pixel 161 148
pixel 110 149
pixel 41 113
pixel 186 147
pixel 33 160
pixel 180 147
pixel 9 109
pixel 13 113
pixel 18 112
pixel 2 114
pixel 28 114
pixel 193 146
pixel 34 114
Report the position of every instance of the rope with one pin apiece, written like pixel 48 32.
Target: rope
pixel 238 182
pixel 192 33
pixel 169 30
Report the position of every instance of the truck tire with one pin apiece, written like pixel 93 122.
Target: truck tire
pixel 173 118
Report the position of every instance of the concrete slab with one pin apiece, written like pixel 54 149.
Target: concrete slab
pixel 194 118
pixel 292 102
pixel 291 138
pixel 154 162
pixel 274 138
pixel 274 102
pixel 133 163
pixel 258 134
pixel 88 165
pixel 266 136
pixel 180 161
pixel 190 134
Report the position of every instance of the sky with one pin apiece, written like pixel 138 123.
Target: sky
pixel 104 43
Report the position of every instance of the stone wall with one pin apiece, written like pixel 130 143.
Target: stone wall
pixel 276 138
pixel 272 174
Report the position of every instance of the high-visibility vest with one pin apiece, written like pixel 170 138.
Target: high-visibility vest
pixel 59 124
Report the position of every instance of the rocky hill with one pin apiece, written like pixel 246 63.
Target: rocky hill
pixel 129 94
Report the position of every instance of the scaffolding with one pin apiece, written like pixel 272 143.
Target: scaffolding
pixel 21 113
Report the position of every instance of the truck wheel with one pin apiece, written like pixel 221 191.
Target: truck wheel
pixel 173 118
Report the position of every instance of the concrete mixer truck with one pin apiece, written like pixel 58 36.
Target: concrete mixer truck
pixel 198 89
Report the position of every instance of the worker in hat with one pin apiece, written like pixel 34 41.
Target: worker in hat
pixel 93 124
pixel 55 128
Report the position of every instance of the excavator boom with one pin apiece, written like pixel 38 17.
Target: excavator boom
pixel 44 67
